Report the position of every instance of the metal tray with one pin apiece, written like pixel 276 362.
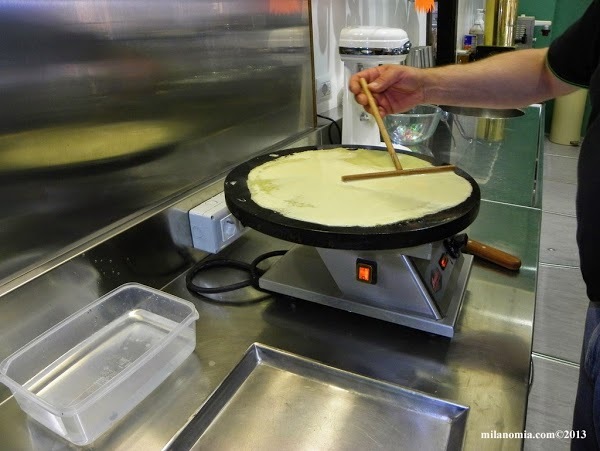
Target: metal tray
pixel 277 400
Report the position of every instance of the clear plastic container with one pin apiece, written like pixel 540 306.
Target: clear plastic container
pixel 87 372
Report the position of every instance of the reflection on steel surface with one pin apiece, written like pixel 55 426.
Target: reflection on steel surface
pixel 111 106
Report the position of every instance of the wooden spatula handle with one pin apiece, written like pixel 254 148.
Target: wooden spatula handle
pixel 380 124
pixel 493 255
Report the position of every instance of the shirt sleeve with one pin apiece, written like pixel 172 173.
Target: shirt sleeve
pixel 573 56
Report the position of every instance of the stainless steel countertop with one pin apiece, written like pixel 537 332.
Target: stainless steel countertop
pixel 485 366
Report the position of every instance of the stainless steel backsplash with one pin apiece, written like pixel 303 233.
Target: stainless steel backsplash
pixel 111 107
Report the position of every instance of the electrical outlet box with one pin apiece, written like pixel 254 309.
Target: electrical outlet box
pixel 524 32
pixel 323 88
pixel 212 226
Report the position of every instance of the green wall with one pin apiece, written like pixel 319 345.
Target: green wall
pixel 562 13
pixel 541 10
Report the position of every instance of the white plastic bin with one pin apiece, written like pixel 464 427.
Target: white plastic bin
pixel 87 372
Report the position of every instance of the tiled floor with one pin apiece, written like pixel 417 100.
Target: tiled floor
pixel 560 305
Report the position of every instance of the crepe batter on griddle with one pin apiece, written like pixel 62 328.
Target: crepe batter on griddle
pixel 307 186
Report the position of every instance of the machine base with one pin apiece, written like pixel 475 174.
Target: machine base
pixel 302 274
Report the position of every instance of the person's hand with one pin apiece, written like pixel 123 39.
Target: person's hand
pixel 395 88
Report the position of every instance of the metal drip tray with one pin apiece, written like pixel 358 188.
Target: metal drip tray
pixel 277 400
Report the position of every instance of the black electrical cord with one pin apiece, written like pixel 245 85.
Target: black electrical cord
pixel 216 263
pixel 333 122
pixel 251 268
pixel 256 272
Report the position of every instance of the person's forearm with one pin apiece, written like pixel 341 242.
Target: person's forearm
pixel 509 80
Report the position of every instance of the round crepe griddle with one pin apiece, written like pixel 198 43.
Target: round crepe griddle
pixel 426 229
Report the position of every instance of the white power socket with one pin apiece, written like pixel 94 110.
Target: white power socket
pixel 323 88
pixel 212 226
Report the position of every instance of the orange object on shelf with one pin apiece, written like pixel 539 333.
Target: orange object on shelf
pixel 424 6
pixel 285 6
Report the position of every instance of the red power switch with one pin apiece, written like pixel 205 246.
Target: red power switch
pixel 366 271
pixel 444 261
pixel 436 280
